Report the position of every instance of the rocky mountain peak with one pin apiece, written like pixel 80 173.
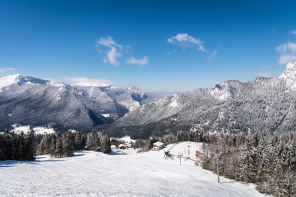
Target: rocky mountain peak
pixel 289 75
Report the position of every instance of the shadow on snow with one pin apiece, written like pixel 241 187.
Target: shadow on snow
pixel 116 152
pixel 11 163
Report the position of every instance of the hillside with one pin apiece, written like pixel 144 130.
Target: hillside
pixel 266 105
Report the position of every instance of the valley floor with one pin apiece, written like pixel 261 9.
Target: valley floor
pixel 91 173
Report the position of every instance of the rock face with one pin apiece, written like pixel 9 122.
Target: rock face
pixel 264 104
pixel 289 76
pixel 36 102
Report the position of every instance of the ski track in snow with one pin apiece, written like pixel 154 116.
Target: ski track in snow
pixel 91 173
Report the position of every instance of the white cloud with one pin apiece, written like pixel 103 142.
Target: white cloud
pixel 287 53
pixel 213 54
pixel 111 57
pixel 11 69
pixel 83 81
pixel 140 62
pixel 184 40
pixel 109 42
pixel 285 59
pixel 112 54
pixel 260 74
pixel 293 31
pixel 6 69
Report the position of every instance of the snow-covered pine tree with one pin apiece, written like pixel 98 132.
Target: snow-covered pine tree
pixel 248 163
pixel 44 146
pixel 91 141
pixel 264 179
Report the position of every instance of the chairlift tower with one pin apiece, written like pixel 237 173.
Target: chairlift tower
pixel 188 150
pixel 180 155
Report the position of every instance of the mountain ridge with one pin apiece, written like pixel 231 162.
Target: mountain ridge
pixel 267 105
pixel 264 104
pixel 36 102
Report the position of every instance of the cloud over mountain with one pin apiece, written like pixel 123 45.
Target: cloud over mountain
pixel 114 52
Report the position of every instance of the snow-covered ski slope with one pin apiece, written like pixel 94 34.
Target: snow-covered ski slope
pixel 91 173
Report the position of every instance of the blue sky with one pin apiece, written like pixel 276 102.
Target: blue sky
pixel 158 46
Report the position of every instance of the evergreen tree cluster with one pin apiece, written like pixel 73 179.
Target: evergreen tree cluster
pixel 64 145
pixel 267 161
pixel 26 146
pixel 59 145
pixel 98 141
pixel 17 146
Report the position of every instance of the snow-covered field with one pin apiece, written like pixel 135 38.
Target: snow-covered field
pixel 91 173
pixel 27 129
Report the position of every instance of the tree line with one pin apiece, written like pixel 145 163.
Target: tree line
pixel 17 146
pixel 22 146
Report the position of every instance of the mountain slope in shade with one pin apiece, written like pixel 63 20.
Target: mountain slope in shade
pixel 264 105
pixel 36 102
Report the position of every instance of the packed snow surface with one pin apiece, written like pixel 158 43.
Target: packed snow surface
pixel 91 173
pixel 187 149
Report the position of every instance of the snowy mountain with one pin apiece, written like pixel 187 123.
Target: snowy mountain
pixel 37 102
pixel 17 79
pixel 264 105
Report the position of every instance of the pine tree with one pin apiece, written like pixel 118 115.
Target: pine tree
pixel 44 146
pixel 78 142
pixel 105 144
pixel 91 141
pixel 16 148
pixel 53 145
pixel 59 147
pixel 8 147
pixel 248 166
pixel 30 149
pixel 68 144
